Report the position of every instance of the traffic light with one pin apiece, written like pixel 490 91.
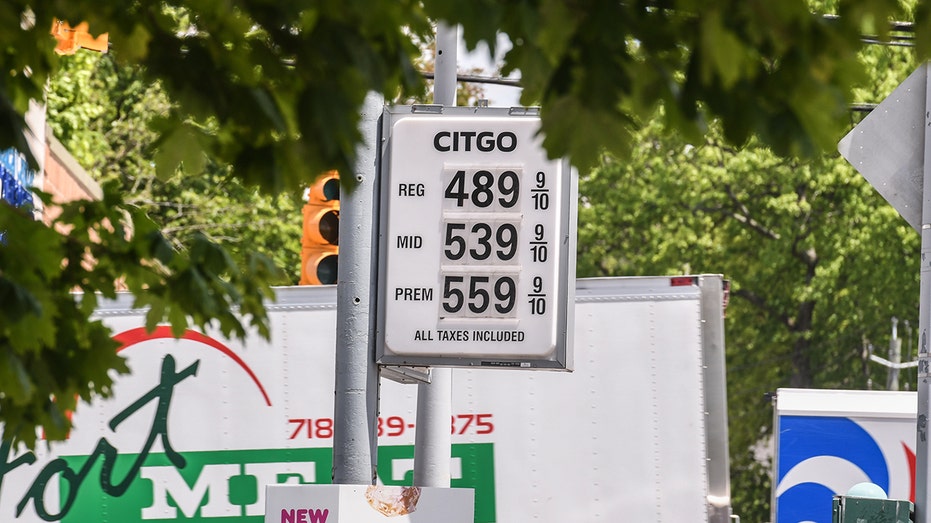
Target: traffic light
pixel 320 241
pixel 79 37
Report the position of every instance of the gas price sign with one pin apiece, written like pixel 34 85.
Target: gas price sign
pixel 477 241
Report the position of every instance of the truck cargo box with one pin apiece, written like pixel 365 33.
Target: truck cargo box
pixel 638 432
pixel 830 440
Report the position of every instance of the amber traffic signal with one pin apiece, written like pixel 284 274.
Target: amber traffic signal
pixel 320 241
pixel 70 39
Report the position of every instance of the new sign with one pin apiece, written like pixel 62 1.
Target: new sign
pixel 367 504
pixel 477 240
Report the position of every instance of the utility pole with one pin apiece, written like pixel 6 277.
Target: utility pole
pixel 895 356
pixel 894 363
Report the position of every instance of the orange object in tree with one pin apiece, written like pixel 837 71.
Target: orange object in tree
pixel 71 39
pixel 320 241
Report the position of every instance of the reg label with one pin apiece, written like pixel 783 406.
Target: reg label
pixel 475 244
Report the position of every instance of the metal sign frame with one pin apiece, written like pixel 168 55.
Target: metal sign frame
pixel 477 239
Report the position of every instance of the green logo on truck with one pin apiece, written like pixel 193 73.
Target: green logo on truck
pixel 231 484
pixel 110 486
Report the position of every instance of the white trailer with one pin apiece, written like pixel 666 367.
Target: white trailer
pixel 827 441
pixel 638 432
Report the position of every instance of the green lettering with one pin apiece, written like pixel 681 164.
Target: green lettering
pixel 162 393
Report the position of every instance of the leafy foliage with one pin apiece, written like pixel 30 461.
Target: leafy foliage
pixel 778 70
pixel 107 115
pixel 818 262
pixel 51 352
pixel 274 90
pixel 104 112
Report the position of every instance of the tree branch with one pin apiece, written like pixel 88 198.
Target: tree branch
pixel 744 216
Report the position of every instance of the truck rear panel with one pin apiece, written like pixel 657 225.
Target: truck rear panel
pixel 638 432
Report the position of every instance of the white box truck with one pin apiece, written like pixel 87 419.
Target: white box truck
pixel 827 441
pixel 638 432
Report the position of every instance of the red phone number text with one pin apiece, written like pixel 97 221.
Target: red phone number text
pixel 322 428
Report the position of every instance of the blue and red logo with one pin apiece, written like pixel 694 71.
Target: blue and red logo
pixel 820 456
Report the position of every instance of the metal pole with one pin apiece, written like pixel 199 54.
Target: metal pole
pixel 355 438
pixel 908 352
pixel 445 81
pixel 922 513
pixel 432 440
pixel 895 356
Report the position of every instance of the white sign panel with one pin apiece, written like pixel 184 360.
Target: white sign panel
pixel 477 240
pixel 887 147
pixel 367 504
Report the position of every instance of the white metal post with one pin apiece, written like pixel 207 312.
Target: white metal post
pixel 355 438
pixel 922 513
pixel 432 442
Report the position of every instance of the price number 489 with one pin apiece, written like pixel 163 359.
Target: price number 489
pixel 483 189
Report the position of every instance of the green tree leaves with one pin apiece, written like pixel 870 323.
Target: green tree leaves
pixel 818 263
pixel 108 117
pixel 255 93
pixel 779 70
pixel 275 91
pixel 52 352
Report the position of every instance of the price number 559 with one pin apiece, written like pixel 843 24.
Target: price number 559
pixel 473 295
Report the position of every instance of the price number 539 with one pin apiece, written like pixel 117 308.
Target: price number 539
pixel 478 241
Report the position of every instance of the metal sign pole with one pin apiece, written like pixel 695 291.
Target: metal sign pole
pixel 922 514
pixel 356 397
pixel 889 145
pixel 432 442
